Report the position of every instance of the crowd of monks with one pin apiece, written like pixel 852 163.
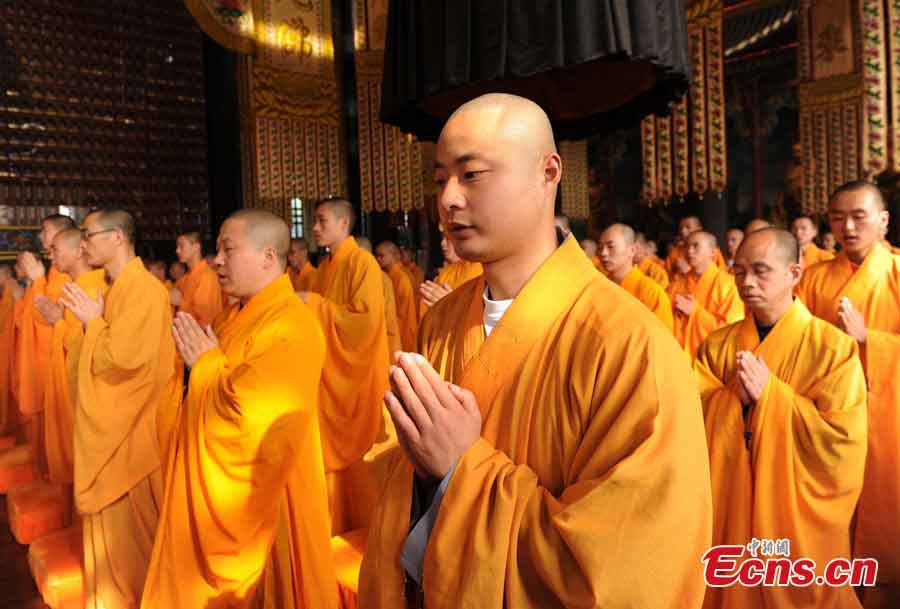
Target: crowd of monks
pixel 519 431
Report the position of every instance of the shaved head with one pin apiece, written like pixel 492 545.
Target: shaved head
pixel 700 250
pixel 71 237
pixel 523 117
pixel 784 243
pixel 617 245
pixel 265 229
pixel 688 225
pixel 733 239
pixel 858 218
pixel 298 254
pixel 192 236
pixel 755 225
pixel 766 270
pixel 342 208
pixel 117 219
pixel 387 254
pixel 66 253
pixel 334 220
pixel 857 186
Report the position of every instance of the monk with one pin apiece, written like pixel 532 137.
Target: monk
pixel 541 466
pixel 388 256
pixel 248 429
pixel 453 274
pixel 157 268
pixel 859 292
pixel 784 398
pixel 829 244
pixel 300 269
pixel 347 298
pixel 590 250
pixel 8 417
pixel 653 251
pixel 416 274
pixel 617 244
pixel 676 262
pixel 126 375
pixel 733 239
pixel 647 264
pixel 69 258
pixel 805 231
pixel 390 305
pixel 756 224
pixel 704 299
pixel 177 270
pixel 39 312
pixel 198 292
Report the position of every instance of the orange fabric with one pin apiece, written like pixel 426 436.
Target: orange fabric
pixel 650 294
pixel 16 467
pixel 348 300
pixel 201 295
pixel 37 508
pixel 654 271
pixel 716 303
pixel 59 409
pixel 301 280
pixel 874 290
pixel 390 314
pixel 32 359
pixel 8 415
pixel 454 275
pixel 677 251
pixel 589 486
pixel 248 430
pixel 58 567
pixel 813 255
pixel 801 475
pixel 407 313
pixel 347 550
pixel 18 310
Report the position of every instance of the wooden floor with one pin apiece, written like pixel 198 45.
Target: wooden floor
pixel 17 589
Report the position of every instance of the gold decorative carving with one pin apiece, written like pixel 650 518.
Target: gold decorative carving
pixel 281 94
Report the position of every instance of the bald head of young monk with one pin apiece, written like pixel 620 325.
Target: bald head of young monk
pixel 804 230
pixel 733 239
pixel 334 220
pixel 177 270
pixel 688 225
pixel 498 171
pixel 756 224
pixel 67 253
pixel 387 254
pixel 406 255
pixel 51 225
pixel 252 251
pixel 109 236
pixel 299 254
pixel 700 250
pixel 589 246
pixel 858 218
pixel 189 248
pixel 617 245
pixel 766 270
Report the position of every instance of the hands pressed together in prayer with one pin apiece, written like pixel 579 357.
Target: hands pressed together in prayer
pixel 175 297
pixel 432 292
pixel 191 340
pixel 684 304
pixel 436 421
pixel 682 266
pixel 34 268
pixel 82 306
pixel 851 321
pixel 50 311
pixel 752 376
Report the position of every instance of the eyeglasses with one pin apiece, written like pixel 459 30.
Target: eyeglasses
pixel 86 235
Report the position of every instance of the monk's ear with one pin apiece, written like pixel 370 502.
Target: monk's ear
pixel 270 257
pixel 552 169
pixel 795 271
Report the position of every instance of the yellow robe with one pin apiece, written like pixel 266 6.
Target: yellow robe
pixel 874 290
pixel 126 372
pixel 245 465
pixel 814 255
pixel 454 275
pixel 62 385
pixel 716 303
pixel 678 252
pixel 201 295
pixel 407 314
pixel 589 486
pixel 390 314
pixel 654 271
pixel 650 294
pixel 7 344
pixel 300 280
pixel 347 298
pixel 802 473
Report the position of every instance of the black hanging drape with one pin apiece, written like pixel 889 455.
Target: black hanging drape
pixel 593 65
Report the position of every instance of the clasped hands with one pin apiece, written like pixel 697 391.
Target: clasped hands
pixel 851 321
pixel 684 304
pixel 752 377
pixel 436 421
pixel 191 340
pixel 431 292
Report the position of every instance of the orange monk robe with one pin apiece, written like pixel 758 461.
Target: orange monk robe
pixel 8 416
pixel 32 358
pixel 454 275
pixel 813 255
pixel 716 303
pixel 390 314
pixel 246 466
pixel 201 295
pixel 874 290
pixel 126 375
pixel 416 274
pixel 677 252
pixel 300 279
pixel 59 398
pixel 654 271
pixel 802 474
pixel 607 499
pixel 18 309
pixel 347 298
pixel 650 294
pixel 407 312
